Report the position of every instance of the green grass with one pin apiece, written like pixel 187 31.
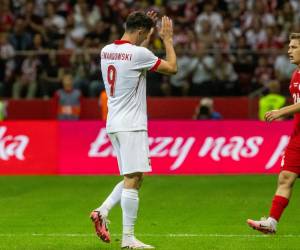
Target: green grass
pixel 52 213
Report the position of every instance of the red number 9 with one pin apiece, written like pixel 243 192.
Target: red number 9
pixel 111 78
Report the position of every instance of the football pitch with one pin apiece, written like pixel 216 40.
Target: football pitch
pixel 176 212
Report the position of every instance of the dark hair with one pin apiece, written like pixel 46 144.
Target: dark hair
pixel 204 113
pixel 295 36
pixel 138 20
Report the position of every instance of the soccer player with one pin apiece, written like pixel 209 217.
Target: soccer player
pixel 291 160
pixel 124 64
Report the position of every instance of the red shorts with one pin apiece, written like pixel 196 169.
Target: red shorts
pixel 291 160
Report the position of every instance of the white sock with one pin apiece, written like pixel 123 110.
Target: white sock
pixel 130 205
pixel 112 199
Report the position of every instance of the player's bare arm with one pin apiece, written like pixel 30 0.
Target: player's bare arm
pixel 285 111
pixel 169 65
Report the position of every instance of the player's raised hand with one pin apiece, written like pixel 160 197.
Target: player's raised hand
pixel 153 15
pixel 272 115
pixel 166 29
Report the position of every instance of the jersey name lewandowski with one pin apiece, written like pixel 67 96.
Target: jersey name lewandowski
pixel 124 67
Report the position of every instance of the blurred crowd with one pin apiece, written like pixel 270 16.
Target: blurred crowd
pixel 224 47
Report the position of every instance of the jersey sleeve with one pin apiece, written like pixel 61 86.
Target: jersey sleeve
pixel 146 60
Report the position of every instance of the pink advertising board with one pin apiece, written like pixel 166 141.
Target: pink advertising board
pixel 28 148
pixel 176 147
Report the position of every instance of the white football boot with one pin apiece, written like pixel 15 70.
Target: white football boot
pixel 100 224
pixel 264 225
pixel 133 243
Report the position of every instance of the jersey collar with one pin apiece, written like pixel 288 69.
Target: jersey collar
pixel 119 42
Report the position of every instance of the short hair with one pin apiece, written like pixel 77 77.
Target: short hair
pixel 138 20
pixel 295 36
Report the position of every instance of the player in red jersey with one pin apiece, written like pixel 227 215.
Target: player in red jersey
pixel 291 160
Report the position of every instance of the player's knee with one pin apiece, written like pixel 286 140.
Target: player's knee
pixel 141 181
pixel 286 180
pixel 133 180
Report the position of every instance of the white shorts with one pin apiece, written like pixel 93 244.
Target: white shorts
pixel 132 150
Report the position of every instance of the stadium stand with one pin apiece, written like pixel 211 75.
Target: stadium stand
pixel 225 47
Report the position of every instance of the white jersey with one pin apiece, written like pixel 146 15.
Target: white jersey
pixel 124 67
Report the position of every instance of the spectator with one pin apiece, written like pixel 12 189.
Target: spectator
pixel 96 85
pixel 273 100
pixel 7 63
pixel 263 74
pixel 179 83
pixel 286 16
pixel 75 33
pixel 180 35
pixel 19 38
pixel 39 49
pixel 258 9
pixel 205 110
pixel 84 16
pixel 114 33
pixel 68 100
pixel 208 13
pixel 228 33
pixel 206 34
pixel 272 40
pixel 226 77
pixel 190 11
pixel 6 16
pixel 27 81
pixel 256 34
pixel 203 73
pixel 51 75
pixel 80 67
pixel 244 64
pixel 55 25
pixel 100 32
pixel 64 54
pixel 32 22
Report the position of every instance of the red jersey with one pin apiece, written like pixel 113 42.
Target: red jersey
pixel 292 152
pixel 295 93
